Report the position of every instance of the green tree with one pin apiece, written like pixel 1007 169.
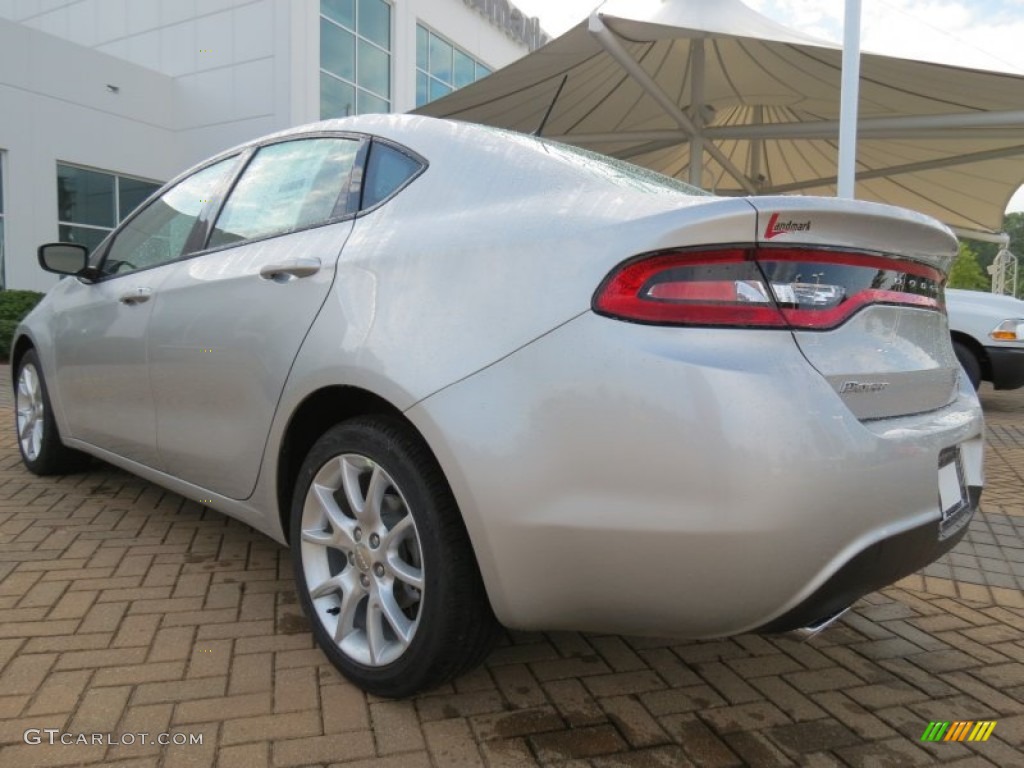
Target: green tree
pixel 967 273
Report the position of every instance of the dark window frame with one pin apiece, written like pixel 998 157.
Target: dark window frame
pixel 196 242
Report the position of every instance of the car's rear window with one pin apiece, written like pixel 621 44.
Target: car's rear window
pixel 607 168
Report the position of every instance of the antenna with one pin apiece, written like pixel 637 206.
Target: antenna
pixel 551 106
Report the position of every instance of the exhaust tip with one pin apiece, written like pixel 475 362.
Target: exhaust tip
pixel 803 634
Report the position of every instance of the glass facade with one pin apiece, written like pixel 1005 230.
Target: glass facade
pixel 355 57
pixel 441 67
pixel 91 203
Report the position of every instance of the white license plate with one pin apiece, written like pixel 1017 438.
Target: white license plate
pixel 953 499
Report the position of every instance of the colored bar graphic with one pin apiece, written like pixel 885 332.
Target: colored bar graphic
pixel 959 730
pixel 983 731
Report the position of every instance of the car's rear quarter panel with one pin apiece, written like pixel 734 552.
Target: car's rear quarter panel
pixel 694 482
pixel 494 245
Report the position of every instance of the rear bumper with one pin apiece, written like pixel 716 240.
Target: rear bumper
pixel 878 566
pixel 1007 366
pixel 696 483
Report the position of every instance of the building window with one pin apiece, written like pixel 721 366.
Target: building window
pixel 355 57
pixel 3 264
pixel 91 203
pixel 441 67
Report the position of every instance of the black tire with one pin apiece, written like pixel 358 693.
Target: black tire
pixel 970 363
pixel 52 457
pixel 456 627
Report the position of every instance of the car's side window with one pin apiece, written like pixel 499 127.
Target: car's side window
pixel 158 233
pixel 287 186
pixel 387 169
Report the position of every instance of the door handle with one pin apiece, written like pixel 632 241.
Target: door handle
pixel 136 296
pixel 293 268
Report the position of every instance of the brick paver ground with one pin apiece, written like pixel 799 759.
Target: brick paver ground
pixel 126 609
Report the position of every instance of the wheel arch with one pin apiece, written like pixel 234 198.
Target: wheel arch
pixel 21 345
pixel 977 350
pixel 319 411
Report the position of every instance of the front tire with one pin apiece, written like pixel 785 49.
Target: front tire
pixel 970 363
pixel 383 565
pixel 39 442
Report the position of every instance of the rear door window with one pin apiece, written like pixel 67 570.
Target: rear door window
pixel 387 170
pixel 288 186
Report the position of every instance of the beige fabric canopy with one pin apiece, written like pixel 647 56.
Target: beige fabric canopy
pixel 652 81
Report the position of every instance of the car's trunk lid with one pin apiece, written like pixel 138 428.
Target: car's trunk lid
pixel 893 356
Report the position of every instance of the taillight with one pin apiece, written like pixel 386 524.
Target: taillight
pixel 688 288
pixel 763 288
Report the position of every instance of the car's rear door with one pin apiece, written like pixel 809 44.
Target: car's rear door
pixel 230 320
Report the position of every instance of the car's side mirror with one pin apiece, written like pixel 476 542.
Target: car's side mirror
pixel 64 258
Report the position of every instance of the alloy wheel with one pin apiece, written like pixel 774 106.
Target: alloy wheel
pixel 31 411
pixel 362 560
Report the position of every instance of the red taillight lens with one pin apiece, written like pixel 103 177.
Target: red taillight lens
pixel 706 288
pixel 763 288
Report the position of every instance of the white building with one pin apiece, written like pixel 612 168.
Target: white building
pixel 103 100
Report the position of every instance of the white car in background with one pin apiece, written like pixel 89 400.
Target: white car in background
pixel 988 336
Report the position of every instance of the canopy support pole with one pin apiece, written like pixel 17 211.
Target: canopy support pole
pixel 697 111
pixel 848 101
pixel 643 149
pixel 896 170
pixel 757 148
pixel 907 126
pixel 972 125
pixel 999 238
pixel 611 43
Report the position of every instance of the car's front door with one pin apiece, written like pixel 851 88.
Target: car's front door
pixel 100 343
pixel 231 319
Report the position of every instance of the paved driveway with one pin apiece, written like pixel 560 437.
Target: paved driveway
pixel 125 609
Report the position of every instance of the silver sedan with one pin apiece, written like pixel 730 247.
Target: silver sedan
pixel 476 378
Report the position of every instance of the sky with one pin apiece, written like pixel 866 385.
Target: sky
pixel 985 34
